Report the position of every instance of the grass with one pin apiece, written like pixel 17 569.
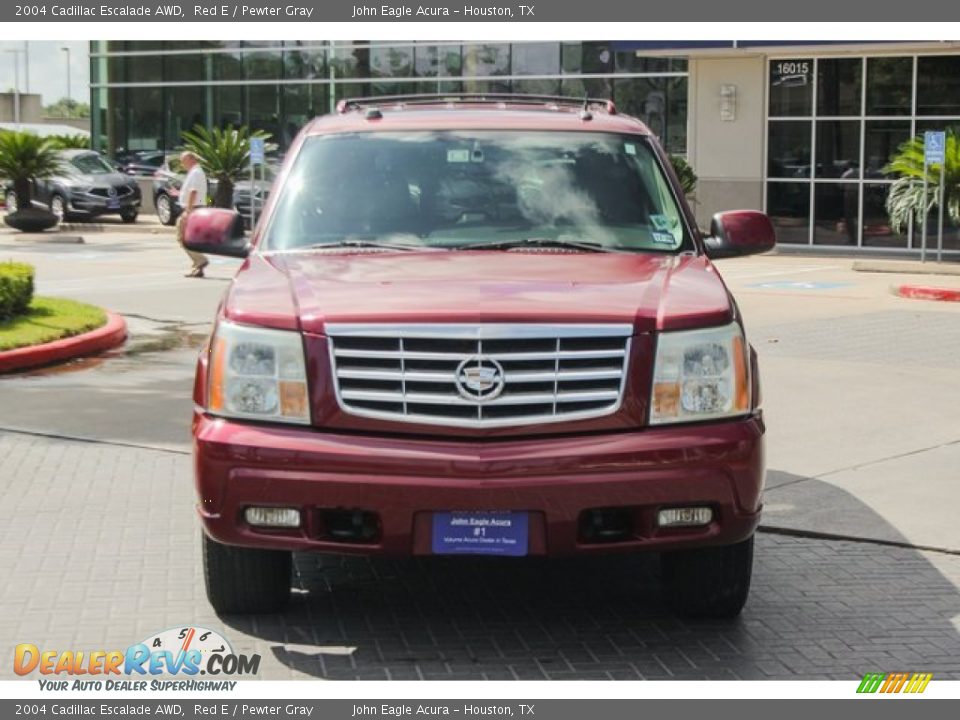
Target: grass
pixel 49 319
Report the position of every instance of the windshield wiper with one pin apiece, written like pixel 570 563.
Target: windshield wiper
pixel 537 242
pixel 358 243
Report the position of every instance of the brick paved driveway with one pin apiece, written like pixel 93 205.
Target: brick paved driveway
pixel 98 548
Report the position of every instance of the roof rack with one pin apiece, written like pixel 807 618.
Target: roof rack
pixel 546 101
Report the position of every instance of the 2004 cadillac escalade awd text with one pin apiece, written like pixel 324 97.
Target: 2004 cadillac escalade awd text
pixel 478 325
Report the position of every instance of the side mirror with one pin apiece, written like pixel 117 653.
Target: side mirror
pixel 215 231
pixel 739 232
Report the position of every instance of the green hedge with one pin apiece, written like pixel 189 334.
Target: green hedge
pixel 16 289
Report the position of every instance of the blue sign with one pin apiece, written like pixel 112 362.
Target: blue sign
pixel 934 147
pixel 480 533
pixel 257 151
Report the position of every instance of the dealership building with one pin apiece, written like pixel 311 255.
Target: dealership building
pixel 800 130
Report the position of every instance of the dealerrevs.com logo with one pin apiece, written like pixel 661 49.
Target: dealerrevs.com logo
pixel 182 651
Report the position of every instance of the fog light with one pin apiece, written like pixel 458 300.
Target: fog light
pixel 684 517
pixel 272 517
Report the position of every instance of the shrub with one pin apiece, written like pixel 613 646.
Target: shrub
pixel 685 173
pixel 16 289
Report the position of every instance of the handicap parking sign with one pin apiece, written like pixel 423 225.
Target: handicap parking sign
pixel 256 151
pixel 934 146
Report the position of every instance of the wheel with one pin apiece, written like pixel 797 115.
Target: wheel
pixel 128 216
pixel 708 582
pixel 246 580
pixel 165 209
pixel 58 206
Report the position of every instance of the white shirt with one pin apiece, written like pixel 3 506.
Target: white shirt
pixel 195 180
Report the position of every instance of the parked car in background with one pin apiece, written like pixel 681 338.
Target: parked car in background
pixel 87 186
pixel 166 189
pixel 169 176
pixel 141 163
pixel 242 195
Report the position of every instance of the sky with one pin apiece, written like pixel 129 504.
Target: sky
pixel 48 68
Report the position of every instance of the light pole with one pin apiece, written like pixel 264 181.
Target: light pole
pixel 16 85
pixel 69 96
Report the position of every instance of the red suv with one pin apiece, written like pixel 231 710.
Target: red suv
pixel 478 325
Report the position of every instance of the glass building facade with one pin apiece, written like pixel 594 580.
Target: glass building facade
pixel 146 93
pixel 833 125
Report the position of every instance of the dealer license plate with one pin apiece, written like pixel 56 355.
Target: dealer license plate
pixel 480 533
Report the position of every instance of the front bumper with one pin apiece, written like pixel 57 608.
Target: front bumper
pixel 554 479
pixel 89 204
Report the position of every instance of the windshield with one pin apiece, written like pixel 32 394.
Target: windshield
pixel 467 188
pixel 91 164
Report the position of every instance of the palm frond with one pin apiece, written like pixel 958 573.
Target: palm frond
pixel 25 156
pixel 906 198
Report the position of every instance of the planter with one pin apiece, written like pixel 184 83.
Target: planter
pixel 31 220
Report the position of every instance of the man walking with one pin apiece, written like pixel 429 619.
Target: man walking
pixel 193 194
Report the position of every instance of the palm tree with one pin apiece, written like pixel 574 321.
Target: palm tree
pixel 224 156
pixel 25 157
pixel 685 174
pixel 906 194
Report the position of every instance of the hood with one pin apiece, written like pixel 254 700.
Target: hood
pixel 114 179
pixel 311 289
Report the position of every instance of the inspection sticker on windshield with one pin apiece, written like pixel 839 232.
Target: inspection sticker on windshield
pixel 660 222
pixel 630 148
pixel 458 156
pixel 664 238
pixel 480 533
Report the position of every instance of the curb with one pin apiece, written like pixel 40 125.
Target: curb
pixel 103 338
pixel 906 267
pixel 923 292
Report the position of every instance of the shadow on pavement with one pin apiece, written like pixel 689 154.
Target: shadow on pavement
pixel 823 609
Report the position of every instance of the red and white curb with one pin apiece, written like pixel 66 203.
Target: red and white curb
pixel 103 338
pixel 925 292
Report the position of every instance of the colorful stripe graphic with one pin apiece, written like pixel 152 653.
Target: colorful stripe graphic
pixel 894 682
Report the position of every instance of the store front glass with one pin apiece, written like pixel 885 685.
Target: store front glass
pixel 833 125
pixel 146 94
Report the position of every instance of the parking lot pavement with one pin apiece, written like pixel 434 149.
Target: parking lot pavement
pixel 99 545
pixel 860 394
pixel 99 548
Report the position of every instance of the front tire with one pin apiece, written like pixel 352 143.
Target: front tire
pixel 165 211
pixel 128 216
pixel 711 582
pixel 58 206
pixel 246 580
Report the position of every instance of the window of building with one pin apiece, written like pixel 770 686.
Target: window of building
pixel 278 87
pixel 834 124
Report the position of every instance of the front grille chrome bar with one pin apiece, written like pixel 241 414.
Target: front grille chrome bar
pixel 489 375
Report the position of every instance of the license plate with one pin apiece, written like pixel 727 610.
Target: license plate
pixel 480 533
pixel 113 204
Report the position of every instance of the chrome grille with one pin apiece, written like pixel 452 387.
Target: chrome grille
pixel 480 375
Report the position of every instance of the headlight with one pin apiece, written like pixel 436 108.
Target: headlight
pixel 700 375
pixel 258 374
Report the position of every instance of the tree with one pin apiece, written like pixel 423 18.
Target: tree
pixel 25 157
pixel 224 156
pixel 906 196
pixel 67 108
